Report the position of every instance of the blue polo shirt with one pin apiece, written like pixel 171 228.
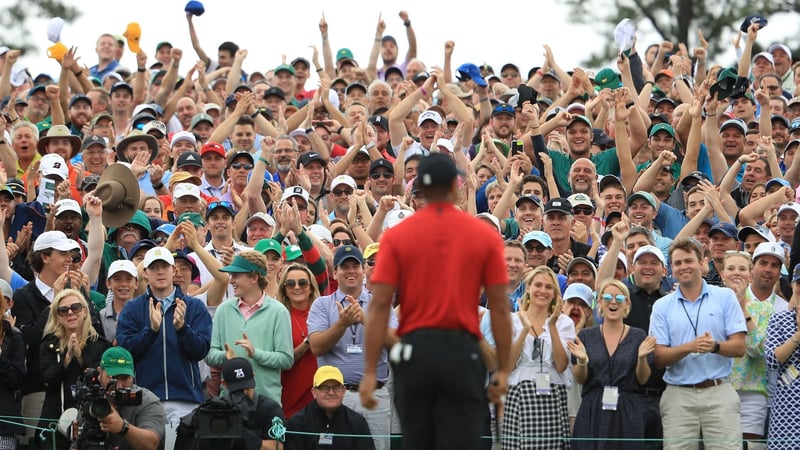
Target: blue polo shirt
pixel 324 314
pixel 676 320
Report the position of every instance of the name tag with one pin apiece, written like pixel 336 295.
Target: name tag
pixel 610 398
pixel 355 349
pixel 542 380
pixel 325 439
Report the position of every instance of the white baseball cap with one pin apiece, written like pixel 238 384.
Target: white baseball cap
pixel 261 216
pixel 650 250
pixel 122 265
pixel 789 207
pixel 429 115
pixel 186 189
pixel 446 143
pixel 56 240
pixel 322 233
pixel 295 191
pixel 343 179
pixel 394 217
pixel 53 164
pixel 67 204
pixel 183 136
pixel 580 291
pixel 770 249
pixel 158 254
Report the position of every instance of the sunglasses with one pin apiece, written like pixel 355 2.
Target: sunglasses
pixel 214 205
pixel 371 262
pixel 292 283
pixel 619 298
pixel 160 240
pixel 535 248
pixel 503 109
pixel 378 175
pixel 75 308
pixel 338 242
pixel 537 348
pixel 245 166
pixel 340 192
pixel 509 74
pixel 586 211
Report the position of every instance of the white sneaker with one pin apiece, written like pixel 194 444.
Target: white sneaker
pixel 625 34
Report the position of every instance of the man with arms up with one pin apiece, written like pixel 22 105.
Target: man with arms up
pixel 699 329
pixel 439 373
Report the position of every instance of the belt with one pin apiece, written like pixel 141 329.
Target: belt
pixel 354 386
pixel 704 384
pixel 651 392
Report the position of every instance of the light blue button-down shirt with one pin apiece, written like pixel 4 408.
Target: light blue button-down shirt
pixel 716 311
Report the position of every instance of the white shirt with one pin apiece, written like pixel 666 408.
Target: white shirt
pixel 46 290
pixel 526 367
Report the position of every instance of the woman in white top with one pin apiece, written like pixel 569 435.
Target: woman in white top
pixel 536 407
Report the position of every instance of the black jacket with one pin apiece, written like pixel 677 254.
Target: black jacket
pixel 12 375
pixel 312 419
pixel 30 309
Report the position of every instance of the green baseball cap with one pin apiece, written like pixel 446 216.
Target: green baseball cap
pixel 193 217
pixel 265 245
pixel 662 127
pixel 607 79
pixel 117 361
pixel 284 68
pixel 241 265
pixel 343 53
pixel 645 195
pixel 292 252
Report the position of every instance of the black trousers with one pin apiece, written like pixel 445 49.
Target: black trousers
pixel 440 391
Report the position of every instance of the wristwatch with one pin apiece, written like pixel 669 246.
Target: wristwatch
pixel 125 427
pixel 716 347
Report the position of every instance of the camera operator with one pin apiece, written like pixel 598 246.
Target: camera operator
pixel 138 427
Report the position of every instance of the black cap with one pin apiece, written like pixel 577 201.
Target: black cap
pixel 275 91
pixel 78 98
pixel 561 205
pixel 144 116
pixel 381 162
pixel 390 70
pixel 94 139
pixel 346 252
pixel 89 180
pixel 355 85
pixel 437 169
pixel 300 60
pixel 599 137
pixel 696 175
pixel 16 185
pixel 233 155
pixel 379 121
pixel 309 157
pixel 121 85
pixel 188 159
pixel 238 374
pixel 144 244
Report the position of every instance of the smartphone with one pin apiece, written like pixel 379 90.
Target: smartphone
pixel 516 147
pixel 526 94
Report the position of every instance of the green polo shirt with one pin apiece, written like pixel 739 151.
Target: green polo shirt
pixel 605 162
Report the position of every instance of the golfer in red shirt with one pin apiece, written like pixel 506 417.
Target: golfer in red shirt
pixel 437 260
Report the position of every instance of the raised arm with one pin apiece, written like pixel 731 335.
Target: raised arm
pixel 747 52
pixel 397 127
pixel 224 129
pixel 53 92
pixel 621 113
pixel 327 54
pixel 96 239
pixel 410 35
pixel 448 63
pixel 139 82
pixel 196 42
pixel 235 75
pixel 372 65
pixel 648 178
pixel 692 153
pixel 172 103
pixel 171 77
pixel 752 213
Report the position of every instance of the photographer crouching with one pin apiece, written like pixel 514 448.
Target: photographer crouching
pixel 114 413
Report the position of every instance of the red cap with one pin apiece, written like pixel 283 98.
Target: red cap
pixel 213 147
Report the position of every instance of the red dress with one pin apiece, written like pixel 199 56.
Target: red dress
pixel 297 381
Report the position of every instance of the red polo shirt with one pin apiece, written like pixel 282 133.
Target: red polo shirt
pixel 438 259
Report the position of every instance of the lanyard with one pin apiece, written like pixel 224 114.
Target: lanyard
pixel 696 322
pixel 610 356
pixel 353 327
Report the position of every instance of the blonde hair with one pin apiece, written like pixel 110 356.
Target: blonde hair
pixel 86 331
pixel 284 298
pixel 555 302
pixel 259 260
pixel 619 285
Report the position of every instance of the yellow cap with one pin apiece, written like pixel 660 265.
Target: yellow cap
pixel 371 250
pixel 133 33
pixel 326 373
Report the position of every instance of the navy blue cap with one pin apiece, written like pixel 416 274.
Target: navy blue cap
pixel 728 229
pixel 346 252
pixel 144 244
pixel 121 85
pixel 753 18
pixel 215 205
pixel 80 97
pixel 182 255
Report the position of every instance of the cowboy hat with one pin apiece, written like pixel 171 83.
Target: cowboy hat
pixel 59 131
pixel 119 192
pixel 133 136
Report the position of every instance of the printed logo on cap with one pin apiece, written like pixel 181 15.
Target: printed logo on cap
pixel 239 373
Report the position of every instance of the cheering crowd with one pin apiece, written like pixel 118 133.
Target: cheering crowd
pixel 197 230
